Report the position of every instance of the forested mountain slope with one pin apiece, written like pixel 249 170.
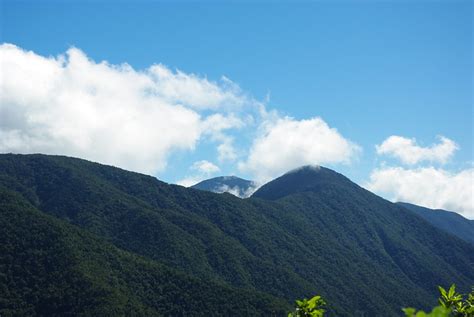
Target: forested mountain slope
pixel 448 221
pixel 324 235
pixel 50 268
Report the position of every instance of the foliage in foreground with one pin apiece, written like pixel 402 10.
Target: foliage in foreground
pixel 309 308
pixel 452 304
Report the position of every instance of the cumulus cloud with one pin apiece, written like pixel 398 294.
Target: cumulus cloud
pixel 409 152
pixel 205 167
pixel 427 186
pixel 286 143
pixel 110 113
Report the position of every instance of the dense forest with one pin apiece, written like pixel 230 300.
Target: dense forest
pixel 86 238
pixel 51 268
pixel 448 221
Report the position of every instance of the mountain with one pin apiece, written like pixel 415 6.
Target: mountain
pixel 227 184
pixel 322 234
pixel 448 221
pixel 300 180
pixel 51 268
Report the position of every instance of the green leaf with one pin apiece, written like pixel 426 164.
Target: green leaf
pixel 409 310
pixel 442 291
pixel 452 290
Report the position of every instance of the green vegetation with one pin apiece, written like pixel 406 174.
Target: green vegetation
pixel 436 312
pixel 309 308
pixel 360 252
pixel 451 303
pixel 50 268
pixel 448 221
pixel 454 301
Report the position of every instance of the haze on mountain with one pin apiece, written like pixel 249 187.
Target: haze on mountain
pixel 228 184
pixel 186 251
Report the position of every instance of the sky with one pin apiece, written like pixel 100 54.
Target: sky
pixel 380 91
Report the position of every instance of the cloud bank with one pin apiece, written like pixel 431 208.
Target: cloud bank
pixel 427 186
pixel 422 183
pixel 286 143
pixel 113 114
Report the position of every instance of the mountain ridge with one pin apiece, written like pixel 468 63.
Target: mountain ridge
pixel 361 252
pixel 448 221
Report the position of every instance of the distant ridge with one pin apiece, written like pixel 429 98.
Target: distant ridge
pixel 228 184
pixel 448 221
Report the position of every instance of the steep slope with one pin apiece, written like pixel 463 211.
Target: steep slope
pixel 448 221
pixel 329 236
pixel 50 268
pixel 227 184
pixel 394 242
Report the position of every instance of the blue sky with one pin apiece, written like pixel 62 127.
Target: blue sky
pixel 370 69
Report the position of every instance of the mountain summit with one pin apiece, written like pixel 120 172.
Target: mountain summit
pixel 227 184
pixel 307 178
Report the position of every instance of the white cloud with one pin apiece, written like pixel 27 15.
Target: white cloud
pixel 237 191
pixel 217 123
pixel 430 187
pixel 109 113
pixel 190 181
pixel 286 143
pixel 205 167
pixel 226 151
pixel 409 152
pixel 201 171
pixel 194 91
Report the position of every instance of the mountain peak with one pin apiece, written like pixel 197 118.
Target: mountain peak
pixel 305 169
pixel 227 184
pixel 302 179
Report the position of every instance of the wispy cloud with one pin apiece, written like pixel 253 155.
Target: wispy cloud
pixel 205 167
pixel 199 171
